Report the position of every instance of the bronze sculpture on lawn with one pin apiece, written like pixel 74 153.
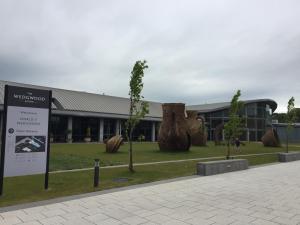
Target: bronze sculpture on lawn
pixel 270 138
pixel 196 128
pixel 174 132
pixel 113 144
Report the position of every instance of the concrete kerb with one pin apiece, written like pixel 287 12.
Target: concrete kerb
pixel 221 166
pixel 288 156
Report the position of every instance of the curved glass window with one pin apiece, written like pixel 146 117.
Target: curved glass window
pixel 226 113
pixel 251 123
pixel 252 136
pixel 216 122
pixel 251 111
pixel 261 112
pixel 217 114
pixel 260 124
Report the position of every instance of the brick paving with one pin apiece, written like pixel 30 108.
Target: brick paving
pixel 267 195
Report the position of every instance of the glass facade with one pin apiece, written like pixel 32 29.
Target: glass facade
pixel 109 128
pixel 80 127
pixel 59 128
pixel 144 128
pixel 257 116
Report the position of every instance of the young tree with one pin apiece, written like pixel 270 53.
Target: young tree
pixel 138 108
pixel 291 117
pixel 232 129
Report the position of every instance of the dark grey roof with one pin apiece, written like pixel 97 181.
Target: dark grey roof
pixel 81 103
pixel 78 103
pixel 225 105
pixel 209 107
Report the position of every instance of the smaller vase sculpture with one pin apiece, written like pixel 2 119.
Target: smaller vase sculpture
pixel 270 139
pixel 113 144
pixel 196 128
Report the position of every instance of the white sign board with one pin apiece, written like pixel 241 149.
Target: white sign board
pixel 26 131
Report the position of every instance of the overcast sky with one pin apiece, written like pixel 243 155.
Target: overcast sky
pixel 198 51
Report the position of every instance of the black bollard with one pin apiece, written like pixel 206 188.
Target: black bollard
pixel 96 173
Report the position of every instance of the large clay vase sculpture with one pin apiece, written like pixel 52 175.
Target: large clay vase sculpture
pixel 270 138
pixel 196 128
pixel 218 134
pixel 113 144
pixel 173 132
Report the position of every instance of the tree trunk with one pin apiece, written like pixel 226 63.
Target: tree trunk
pixel 130 166
pixel 287 140
pixel 228 150
pixel 130 153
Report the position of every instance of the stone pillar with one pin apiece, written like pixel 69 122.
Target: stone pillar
pixel 153 134
pixel 70 129
pixel 101 130
pixel 118 130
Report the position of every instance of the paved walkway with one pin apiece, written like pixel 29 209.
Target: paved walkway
pixel 259 196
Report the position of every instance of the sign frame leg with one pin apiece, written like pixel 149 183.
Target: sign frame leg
pixel 3 142
pixel 46 185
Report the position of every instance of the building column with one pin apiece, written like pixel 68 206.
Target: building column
pixel 101 130
pixel 223 135
pixel 153 133
pixel 118 130
pixel 120 127
pixel 248 135
pixel 210 130
pixel 70 129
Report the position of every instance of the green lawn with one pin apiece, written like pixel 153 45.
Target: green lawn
pixel 74 156
pixel 71 156
pixel 30 188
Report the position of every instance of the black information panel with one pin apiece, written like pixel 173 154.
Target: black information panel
pixel 25 136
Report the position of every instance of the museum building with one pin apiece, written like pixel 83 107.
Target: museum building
pixel 74 113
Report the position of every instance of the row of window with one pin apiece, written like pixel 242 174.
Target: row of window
pixel 81 126
pixel 257 116
pixel 254 135
pixel 257 110
pixel 249 123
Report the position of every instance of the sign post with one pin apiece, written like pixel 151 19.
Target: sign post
pixel 25 136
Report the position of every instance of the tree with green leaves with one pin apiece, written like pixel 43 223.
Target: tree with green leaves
pixel 232 129
pixel 280 117
pixel 290 119
pixel 138 108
